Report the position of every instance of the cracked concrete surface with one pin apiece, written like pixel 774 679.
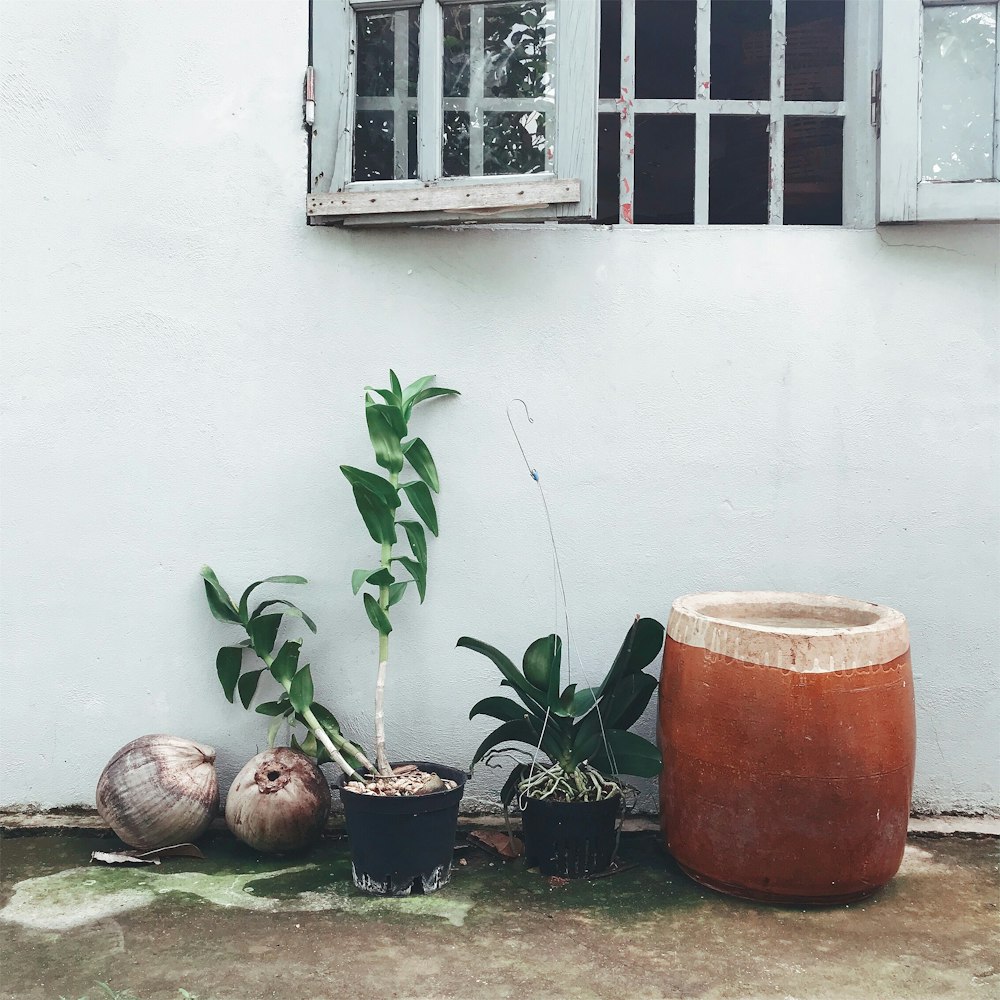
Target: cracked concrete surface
pixel 241 926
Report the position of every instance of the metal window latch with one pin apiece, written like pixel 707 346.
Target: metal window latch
pixel 876 99
pixel 309 92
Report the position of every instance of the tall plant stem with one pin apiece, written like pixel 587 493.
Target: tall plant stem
pixel 381 758
pixel 334 745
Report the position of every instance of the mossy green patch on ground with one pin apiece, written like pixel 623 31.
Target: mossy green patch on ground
pixel 242 926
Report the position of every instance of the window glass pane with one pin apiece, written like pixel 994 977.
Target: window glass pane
pixel 741 50
pixel 373 146
pixel 664 48
pixel 957 101
pixel 386 98
pixel 737 175
pixel 664 169
pixel 814 171
pixel 455 154
pixel 608 167
pixel 609 82
pixel 499 87
pixel 376 54
pixel 814 50
pixel 513 142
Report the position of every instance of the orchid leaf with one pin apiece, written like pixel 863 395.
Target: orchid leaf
pixel 504 709
pixel 423 503
pixel 377 516
pixel 419 456
pixel 385 439
pixel 373 483
pixel 228 663
pixel 271 579
pixel 289 609
pixel 285 664
pixel 219 602
pixel 416 570
pixel 628 753
pixel 377 616
pixel 263 632
pixel 300 691
pixel 417 538
pixel 248 686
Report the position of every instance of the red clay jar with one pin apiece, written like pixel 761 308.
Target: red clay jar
pixel 787 728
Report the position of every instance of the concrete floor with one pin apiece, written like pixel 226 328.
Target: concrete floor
pixel 243 927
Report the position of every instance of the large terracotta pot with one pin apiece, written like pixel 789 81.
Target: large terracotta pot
pixel 787 728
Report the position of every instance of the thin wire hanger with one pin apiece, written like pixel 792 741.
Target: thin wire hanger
pixel 561 591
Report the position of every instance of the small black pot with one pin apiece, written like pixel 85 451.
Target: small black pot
pixel 570 839
pixel 405 844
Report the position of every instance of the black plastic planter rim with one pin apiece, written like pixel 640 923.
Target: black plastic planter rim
pixel 408 805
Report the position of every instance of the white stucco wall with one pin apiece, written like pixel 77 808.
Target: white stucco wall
pixel 183 358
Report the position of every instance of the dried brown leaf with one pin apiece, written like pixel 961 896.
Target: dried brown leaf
pixel 498 842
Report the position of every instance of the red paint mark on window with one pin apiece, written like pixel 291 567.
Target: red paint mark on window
pixel 627 212
pixel 628 135
pixel 626 185
pixel 706 85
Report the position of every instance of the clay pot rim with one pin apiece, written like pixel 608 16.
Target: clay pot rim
pixel 879 637
pixel 707 604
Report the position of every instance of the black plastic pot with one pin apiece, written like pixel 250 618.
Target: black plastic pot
pixel 403 845
pixel 571 839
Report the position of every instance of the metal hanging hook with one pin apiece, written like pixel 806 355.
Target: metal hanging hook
pixel 532 472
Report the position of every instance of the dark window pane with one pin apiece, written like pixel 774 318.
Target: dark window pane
pixel 737 174
pixel 608 161
pixel 456 50
pixel 814 174
pixel 455 155
pixel 664 48
pixel 664 169
pixel 741 50
pixel 376 55
pixel 513 142
pixel 373 146
pixel 411 145
pixel 413 39
pixel 609 84
pixel 814 50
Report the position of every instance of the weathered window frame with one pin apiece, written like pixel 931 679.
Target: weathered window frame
pixel 861 27
pixel 567 191
pixel 903 195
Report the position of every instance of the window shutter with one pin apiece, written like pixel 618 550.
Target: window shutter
pixel 564 188
pixel 907 193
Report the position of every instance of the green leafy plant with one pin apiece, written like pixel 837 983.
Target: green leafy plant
pixel 584 733
pixel 323 740
pixel 380 500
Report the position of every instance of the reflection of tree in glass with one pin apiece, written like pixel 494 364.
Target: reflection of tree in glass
pixel 457 28
pixel 376 61
pixel 514 64
pixel 517 40
pixel 515 143
pixel 964 38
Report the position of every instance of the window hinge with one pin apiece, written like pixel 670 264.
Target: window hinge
pixel 876 99
pixel 309 92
